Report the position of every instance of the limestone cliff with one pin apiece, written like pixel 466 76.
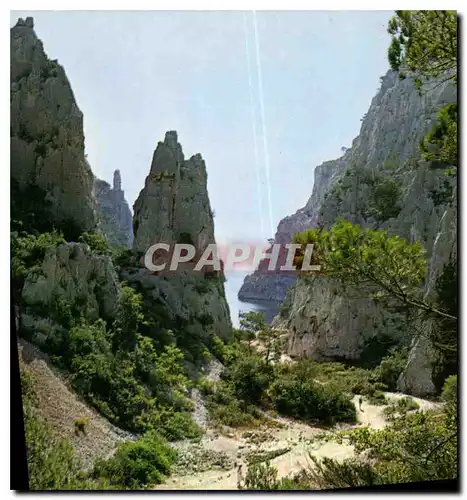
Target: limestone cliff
pixel 327 323
pixel 70 278
pixel 259 285
pixel 115 219
pixel 47 139
pixel 174 207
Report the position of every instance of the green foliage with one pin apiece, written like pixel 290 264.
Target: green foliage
pixel 376 264
pixel 379 194
pixel 377 398
pixel 391 367
pixel 328 473
pixel 424 42
pixel 384 203
pixel 449 395
pixel 52 464
pixel 440 145
pixel 260 476
pixel 304 399
pixel 401 407
pixel 128 317
pixel 249 376
pixel 28 252
pixel 50 69
pixel 138 465
pixel 81 424
pixel 96 242
pixel 443 335
pixel 442 195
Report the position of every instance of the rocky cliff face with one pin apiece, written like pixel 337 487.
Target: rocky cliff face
pixel 173 207
pixel 115 219
pixel 47 139
pixel 418 376
pixel 326 322
pixel 263 286
pixel 70 278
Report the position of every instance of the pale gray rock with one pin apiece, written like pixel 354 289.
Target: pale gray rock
pixel 115 218
pixel 73 275
pixel 174 207
pixel 47 139
pixel 324 321
pixel 417 377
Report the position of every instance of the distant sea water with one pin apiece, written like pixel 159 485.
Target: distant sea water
pixel 232 286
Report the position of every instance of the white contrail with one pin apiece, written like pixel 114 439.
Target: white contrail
pixel 255 140
pixel 265 141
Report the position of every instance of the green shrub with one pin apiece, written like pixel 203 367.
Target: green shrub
pixel 138 465
pixel 327 473
pixel 307 400
pixel 449 396
pixel 28 251
pixel 377 398
pixel 80 425
pixel 179 426
pixel 391 367
pixel 96 242
pixel 260 476
pixel 250 376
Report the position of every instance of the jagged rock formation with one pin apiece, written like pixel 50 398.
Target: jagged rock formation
pixel 327 323
pixel 115 219
pixel 70 275
pixel 173 207
pixel 175 190
pixel 47 139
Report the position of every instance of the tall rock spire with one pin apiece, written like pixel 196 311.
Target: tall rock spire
pixel 117 181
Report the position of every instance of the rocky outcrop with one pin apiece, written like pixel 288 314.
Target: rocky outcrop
pixel 175 190
pixel 173 207
pixel 71 278
pixel 47 139
pixel 115 219
pixel 418 375
pixel 264 286
pixel 325 321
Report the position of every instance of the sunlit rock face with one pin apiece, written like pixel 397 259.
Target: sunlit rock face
pixel 173 207
pixel 326 322
pixel 47 139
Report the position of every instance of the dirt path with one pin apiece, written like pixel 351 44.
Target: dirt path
pixel 298 437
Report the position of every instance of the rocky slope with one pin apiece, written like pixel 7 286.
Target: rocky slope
pixel 115 218
pixel 60 406
pixel 325 322
pixel 46 133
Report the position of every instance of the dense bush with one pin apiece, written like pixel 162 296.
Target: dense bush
pixel 28 252
pixel 306 400
pixel 391 367
pixel 138 465
pixel 96 242
pixel 250 376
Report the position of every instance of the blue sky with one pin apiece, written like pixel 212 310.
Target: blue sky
pixel 138 74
